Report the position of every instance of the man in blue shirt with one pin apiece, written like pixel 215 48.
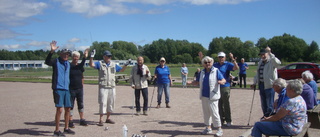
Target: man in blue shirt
pixel 107 70
pixel 225 67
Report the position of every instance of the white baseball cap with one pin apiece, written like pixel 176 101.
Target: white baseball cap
pixel 221 54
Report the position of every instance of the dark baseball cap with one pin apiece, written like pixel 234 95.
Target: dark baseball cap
pixel 107 53
pixel 66 51
pixel 262 51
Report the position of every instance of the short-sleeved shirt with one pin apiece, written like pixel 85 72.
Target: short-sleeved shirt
pixel 205 83
pixel 296 117
pixel 162 74
pixel 242 68
pixel 97 66
pixel 225 69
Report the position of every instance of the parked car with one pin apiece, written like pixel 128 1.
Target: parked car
pixel 294 70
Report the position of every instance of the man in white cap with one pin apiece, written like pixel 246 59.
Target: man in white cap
pixel 225 67
pixel 107 72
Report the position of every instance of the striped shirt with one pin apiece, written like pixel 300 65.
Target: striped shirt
pixel 261 71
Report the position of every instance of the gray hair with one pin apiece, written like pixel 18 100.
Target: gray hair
pixel 296 86
pixel 207 59
pixel 280 82
pixel 75 53
pixel 307 74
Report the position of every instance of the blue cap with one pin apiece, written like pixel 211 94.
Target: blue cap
pixel 107 53
pixel 66 51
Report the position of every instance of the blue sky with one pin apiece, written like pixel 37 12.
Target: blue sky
pixel 74 24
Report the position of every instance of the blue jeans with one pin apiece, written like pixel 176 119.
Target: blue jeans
pixel 184 80
pixel 268 128
pixel 166 89
pixel 267 99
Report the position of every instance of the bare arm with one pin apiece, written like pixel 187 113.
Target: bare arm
pixel 234 61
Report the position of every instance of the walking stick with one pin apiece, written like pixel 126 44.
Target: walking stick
pixel 152 96
pixel 254 91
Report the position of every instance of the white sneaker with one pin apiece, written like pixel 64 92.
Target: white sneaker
pixel 206 131
pixel 229 124
pixel 219 133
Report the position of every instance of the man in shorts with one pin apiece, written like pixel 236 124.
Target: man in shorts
pixel 60 87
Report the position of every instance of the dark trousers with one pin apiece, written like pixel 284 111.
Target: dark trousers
pixel 77 94
pixel 144 92
pixel 243 76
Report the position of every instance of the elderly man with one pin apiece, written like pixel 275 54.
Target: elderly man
pixel 266 75
pixel 60 87
pixel 140 74
pixel 107 71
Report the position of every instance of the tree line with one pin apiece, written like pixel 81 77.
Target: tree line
pixel 287 48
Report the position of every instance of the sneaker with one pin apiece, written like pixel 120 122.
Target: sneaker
pixel 229 124
pixel 138 113
pixel 206 131
pixel 110 121
pixel 100 123
pixel 145 113
pixel 219 133
pixel 83 122
pixel 58 134
pixel 71 125
pixel 68 131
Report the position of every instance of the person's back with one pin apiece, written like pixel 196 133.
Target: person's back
pixel 308 96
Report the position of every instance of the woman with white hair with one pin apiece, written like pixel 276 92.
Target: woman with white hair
pixel 209 81
pixel 307 76
pixel 289 118
pixel 76 86
pixel 279 86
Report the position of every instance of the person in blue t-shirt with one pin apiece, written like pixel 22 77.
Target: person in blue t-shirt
pixel 163 76
pixel 225 67
pixel 279 86
pixel 243 72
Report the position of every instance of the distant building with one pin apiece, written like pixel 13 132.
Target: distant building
pixel 18 64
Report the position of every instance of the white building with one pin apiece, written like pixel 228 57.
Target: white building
pixel 18 64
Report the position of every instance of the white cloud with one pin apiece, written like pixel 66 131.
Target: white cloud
pixel 38 43
pixel 10 47
pixel 8 34
pixel 14 12
pixel 207 2
pixel 74 40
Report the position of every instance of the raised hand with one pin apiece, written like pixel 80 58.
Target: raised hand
pixel 93 52
pixel 268 49
pixel 54 46
pixel 86 53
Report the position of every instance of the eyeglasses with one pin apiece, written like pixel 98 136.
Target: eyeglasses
pixel 109 56
pixel 206 62
pixel 221 57
pixel 162 61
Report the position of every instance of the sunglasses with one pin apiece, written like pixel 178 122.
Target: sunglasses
pixel 221 57
pixel 162 61
pixel 109 56
pixel 206 62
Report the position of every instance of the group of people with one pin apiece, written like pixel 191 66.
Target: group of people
pixel 294 97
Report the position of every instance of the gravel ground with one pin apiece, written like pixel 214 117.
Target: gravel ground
pixel 27 109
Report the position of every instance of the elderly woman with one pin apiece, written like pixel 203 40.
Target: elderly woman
pixel 279 86
pixel 184 75
pixel 209 81
pixel 307 76
pixel 163 76
pixel 290 117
